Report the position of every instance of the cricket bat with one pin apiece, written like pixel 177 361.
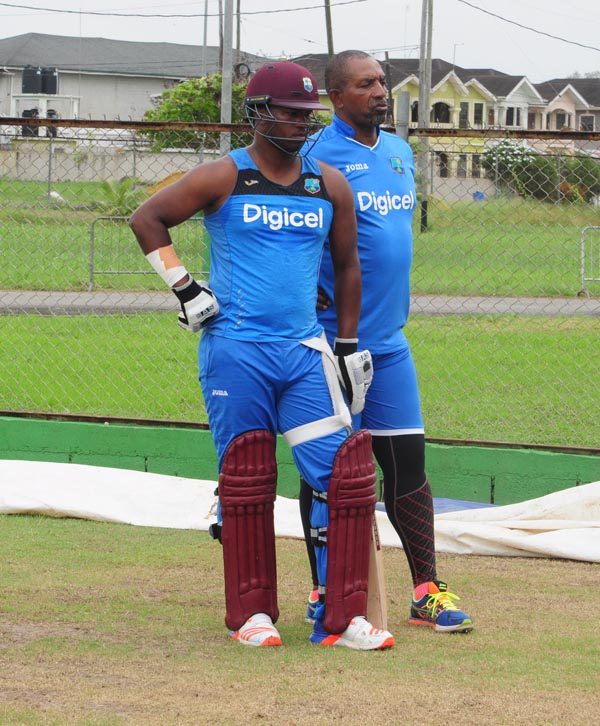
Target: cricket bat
pixel 377 593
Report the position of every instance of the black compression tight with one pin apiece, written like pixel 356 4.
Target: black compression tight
pixel 408 501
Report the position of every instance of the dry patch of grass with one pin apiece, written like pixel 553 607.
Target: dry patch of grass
pixel 110 624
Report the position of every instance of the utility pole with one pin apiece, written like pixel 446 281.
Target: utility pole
pixel 388 81
pixel 226 74
pixel 402 114
pixel 425 63
pixel 221 34
pixel 454 54
pixel 238 26
pixel 330 50
pixel 205 38
pixel 424 102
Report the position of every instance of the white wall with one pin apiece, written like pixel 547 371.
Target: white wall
pixel 100 96
pixel 111 97
pixel 30 160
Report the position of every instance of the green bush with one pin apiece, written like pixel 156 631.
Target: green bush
pixel 537 177
pixel 583 174
pixel 506 161
pixel 517 168
pixel 121 197
pixel 194 100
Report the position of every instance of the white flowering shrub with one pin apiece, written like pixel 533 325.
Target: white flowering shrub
pixel 505 159
pixel 518 168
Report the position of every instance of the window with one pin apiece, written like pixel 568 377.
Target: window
pixel 476 166
pixel 586 123
pixel 513 116
pixel 461 167
pixel 478 114
pixel 414 112
pixel 562 120
pixel 440 113
pixel 463 117
pixel 442 160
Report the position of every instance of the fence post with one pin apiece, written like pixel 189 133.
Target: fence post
pixel 49 165
pixel 424 166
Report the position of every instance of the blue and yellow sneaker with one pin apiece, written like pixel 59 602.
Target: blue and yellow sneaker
pixel 311 606
pixel 433 605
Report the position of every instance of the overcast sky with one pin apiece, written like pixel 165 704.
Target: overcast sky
pixel 467 33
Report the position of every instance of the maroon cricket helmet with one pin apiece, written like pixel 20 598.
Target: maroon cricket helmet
pixel 284 84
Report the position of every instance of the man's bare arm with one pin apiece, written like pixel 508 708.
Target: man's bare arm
pixel 344 252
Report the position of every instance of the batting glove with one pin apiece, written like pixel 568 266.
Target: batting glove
pixel 355 371
pixel 198 304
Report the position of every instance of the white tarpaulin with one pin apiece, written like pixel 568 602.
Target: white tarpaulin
pixel 565 524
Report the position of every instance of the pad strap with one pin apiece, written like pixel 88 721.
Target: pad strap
pixel 318 535
pixel 341 418
pixel 247 491
pixel 351 501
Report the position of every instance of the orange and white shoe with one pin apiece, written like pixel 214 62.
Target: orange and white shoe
pixel 359 635
pixel 257 631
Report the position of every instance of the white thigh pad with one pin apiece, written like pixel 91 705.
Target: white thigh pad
pixel 341 417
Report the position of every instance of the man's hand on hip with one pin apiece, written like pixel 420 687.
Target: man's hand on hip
pixel 198 304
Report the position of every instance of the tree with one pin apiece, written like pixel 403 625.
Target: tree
pixel 589 74
pixel 197 100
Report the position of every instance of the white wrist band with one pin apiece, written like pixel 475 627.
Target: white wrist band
pixel 164 260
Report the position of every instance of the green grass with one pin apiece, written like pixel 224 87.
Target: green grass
pixel 502 378
pixel 33 194
pixel 508 378
pixel 141 366
pixel 510 247
pixel 112 624
pixel 498 378
pixel 504 246
pixel 48 246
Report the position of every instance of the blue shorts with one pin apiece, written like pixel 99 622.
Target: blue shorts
pixel 276 386
pixel 393 406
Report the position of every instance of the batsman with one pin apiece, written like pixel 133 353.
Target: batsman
pixel 265 366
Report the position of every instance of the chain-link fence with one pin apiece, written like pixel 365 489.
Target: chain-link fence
pixel 505 321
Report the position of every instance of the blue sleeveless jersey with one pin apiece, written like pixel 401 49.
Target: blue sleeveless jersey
pixel 382 179
pixel 265 249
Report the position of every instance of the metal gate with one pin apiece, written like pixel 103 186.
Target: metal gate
pixel 114 251
pixel 590 258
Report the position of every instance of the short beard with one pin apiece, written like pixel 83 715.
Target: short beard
pixel 378 117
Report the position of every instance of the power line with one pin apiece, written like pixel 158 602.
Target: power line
pixel 527 27
pixel 170 15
